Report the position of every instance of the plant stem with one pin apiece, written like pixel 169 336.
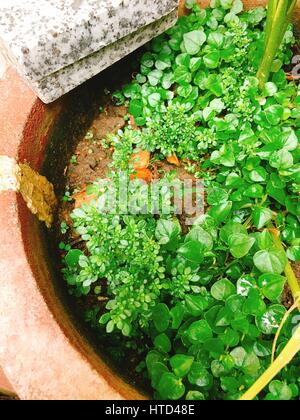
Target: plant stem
pixel 278 17
pixel 284 319
pixel 285 357
pixel 293 345
pixel 272 5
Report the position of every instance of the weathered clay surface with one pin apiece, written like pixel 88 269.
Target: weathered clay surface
pixel 5 385
pixel 42 353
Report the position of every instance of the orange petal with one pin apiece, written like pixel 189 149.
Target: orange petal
pixel 144 174
pixel 173 159
pixel 140 160
pixel 83 197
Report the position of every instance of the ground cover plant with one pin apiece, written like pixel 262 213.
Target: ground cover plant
pixel 203 303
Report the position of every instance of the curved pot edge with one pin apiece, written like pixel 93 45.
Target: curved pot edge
pixel 41 352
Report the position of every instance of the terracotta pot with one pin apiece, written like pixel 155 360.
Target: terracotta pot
pixel 44 353
pixel 43 350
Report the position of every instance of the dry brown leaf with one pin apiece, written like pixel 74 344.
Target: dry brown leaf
pixel 173 159
pixel 140 160
pixel 144 174
pixel 83 197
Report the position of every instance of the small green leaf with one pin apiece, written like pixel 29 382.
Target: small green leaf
pixel 195 64
pixel 240 244
pixel 270 89
pixel 237 7
pixel 221 211
pixel 182 75
pixel 166 231
pixel 215 39
pixel 270 320
pixel 147 60
pixel 282 159
pixel 156 373
pixel 251 365
pixel 199 376
pixel 239 355
pixel 183 60
pixel 154 99
pixel 181 364
pixel 272 285
pixel 254 191
pixel 195 396
pixel 254 305
pixel 274 114
pixel 214 346
pixel 231 228
pixel 211 60
pixel 200 235
pixel 261 216
pixel 155 77
pixel 270 261
pixel 177 315
pixel 222 289
pixel 193 41
pixel 136 107
pixel 293 253
pixel 280 391
pixel 192 251
pixel 162 343
pixel 245 284
pixel 196 304
pixel 170 387
pixel 258 174
pixel 264 240
pixel 72 257
pixel 199 332
pixel 161 317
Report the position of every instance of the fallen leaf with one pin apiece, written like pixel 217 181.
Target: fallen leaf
pixel 140 160
pixel 133 123
pixel 83 197
pixel 173 159
pixel 144 174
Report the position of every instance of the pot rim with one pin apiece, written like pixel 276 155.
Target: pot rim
pixel 42 353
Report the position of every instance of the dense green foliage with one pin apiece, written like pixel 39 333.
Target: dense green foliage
pixel 208 300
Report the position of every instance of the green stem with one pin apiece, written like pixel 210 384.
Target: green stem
pixel 285 357
pixel 279 14
pixel 272 5
pixel 293 345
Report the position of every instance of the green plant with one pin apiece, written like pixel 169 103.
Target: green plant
pixel 124 143
pixel 73 160
pixel 172 132
pixel 208 301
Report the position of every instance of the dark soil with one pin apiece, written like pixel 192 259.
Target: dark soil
pixel 92 158
pixel 91 162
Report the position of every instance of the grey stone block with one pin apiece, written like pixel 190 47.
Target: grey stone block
pixel 58 44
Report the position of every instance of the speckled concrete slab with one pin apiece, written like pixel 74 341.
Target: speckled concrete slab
pixel 57 84
pixel 58 44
